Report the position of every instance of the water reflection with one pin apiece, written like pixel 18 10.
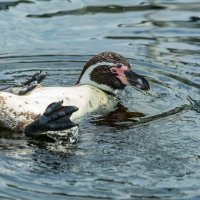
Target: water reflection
pixel 6 5
pixel 99 9
pixel 52 158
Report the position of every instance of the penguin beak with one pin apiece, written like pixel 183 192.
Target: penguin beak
pixel 136 80
pixel 128 77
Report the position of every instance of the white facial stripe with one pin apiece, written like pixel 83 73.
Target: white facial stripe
pixel 85 78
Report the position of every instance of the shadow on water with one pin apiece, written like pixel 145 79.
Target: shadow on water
pixel 122 118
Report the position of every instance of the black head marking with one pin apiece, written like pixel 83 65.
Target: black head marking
pixel 110 57
pixel 103 75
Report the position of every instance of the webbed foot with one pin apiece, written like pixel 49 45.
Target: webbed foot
pixel 55 118
pixel 30 84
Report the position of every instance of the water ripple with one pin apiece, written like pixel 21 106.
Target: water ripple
pixel 6 5
pixel 148 147
pixel 99 9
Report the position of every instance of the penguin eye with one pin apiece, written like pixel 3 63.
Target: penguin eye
pixel 113 70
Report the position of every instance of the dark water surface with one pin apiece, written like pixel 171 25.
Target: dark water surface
pixel 157 157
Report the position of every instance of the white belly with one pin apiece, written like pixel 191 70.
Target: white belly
pixel 21 110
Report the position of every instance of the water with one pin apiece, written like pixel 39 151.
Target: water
pixel 122 155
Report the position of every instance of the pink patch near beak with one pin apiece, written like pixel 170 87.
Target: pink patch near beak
pixel 121 76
